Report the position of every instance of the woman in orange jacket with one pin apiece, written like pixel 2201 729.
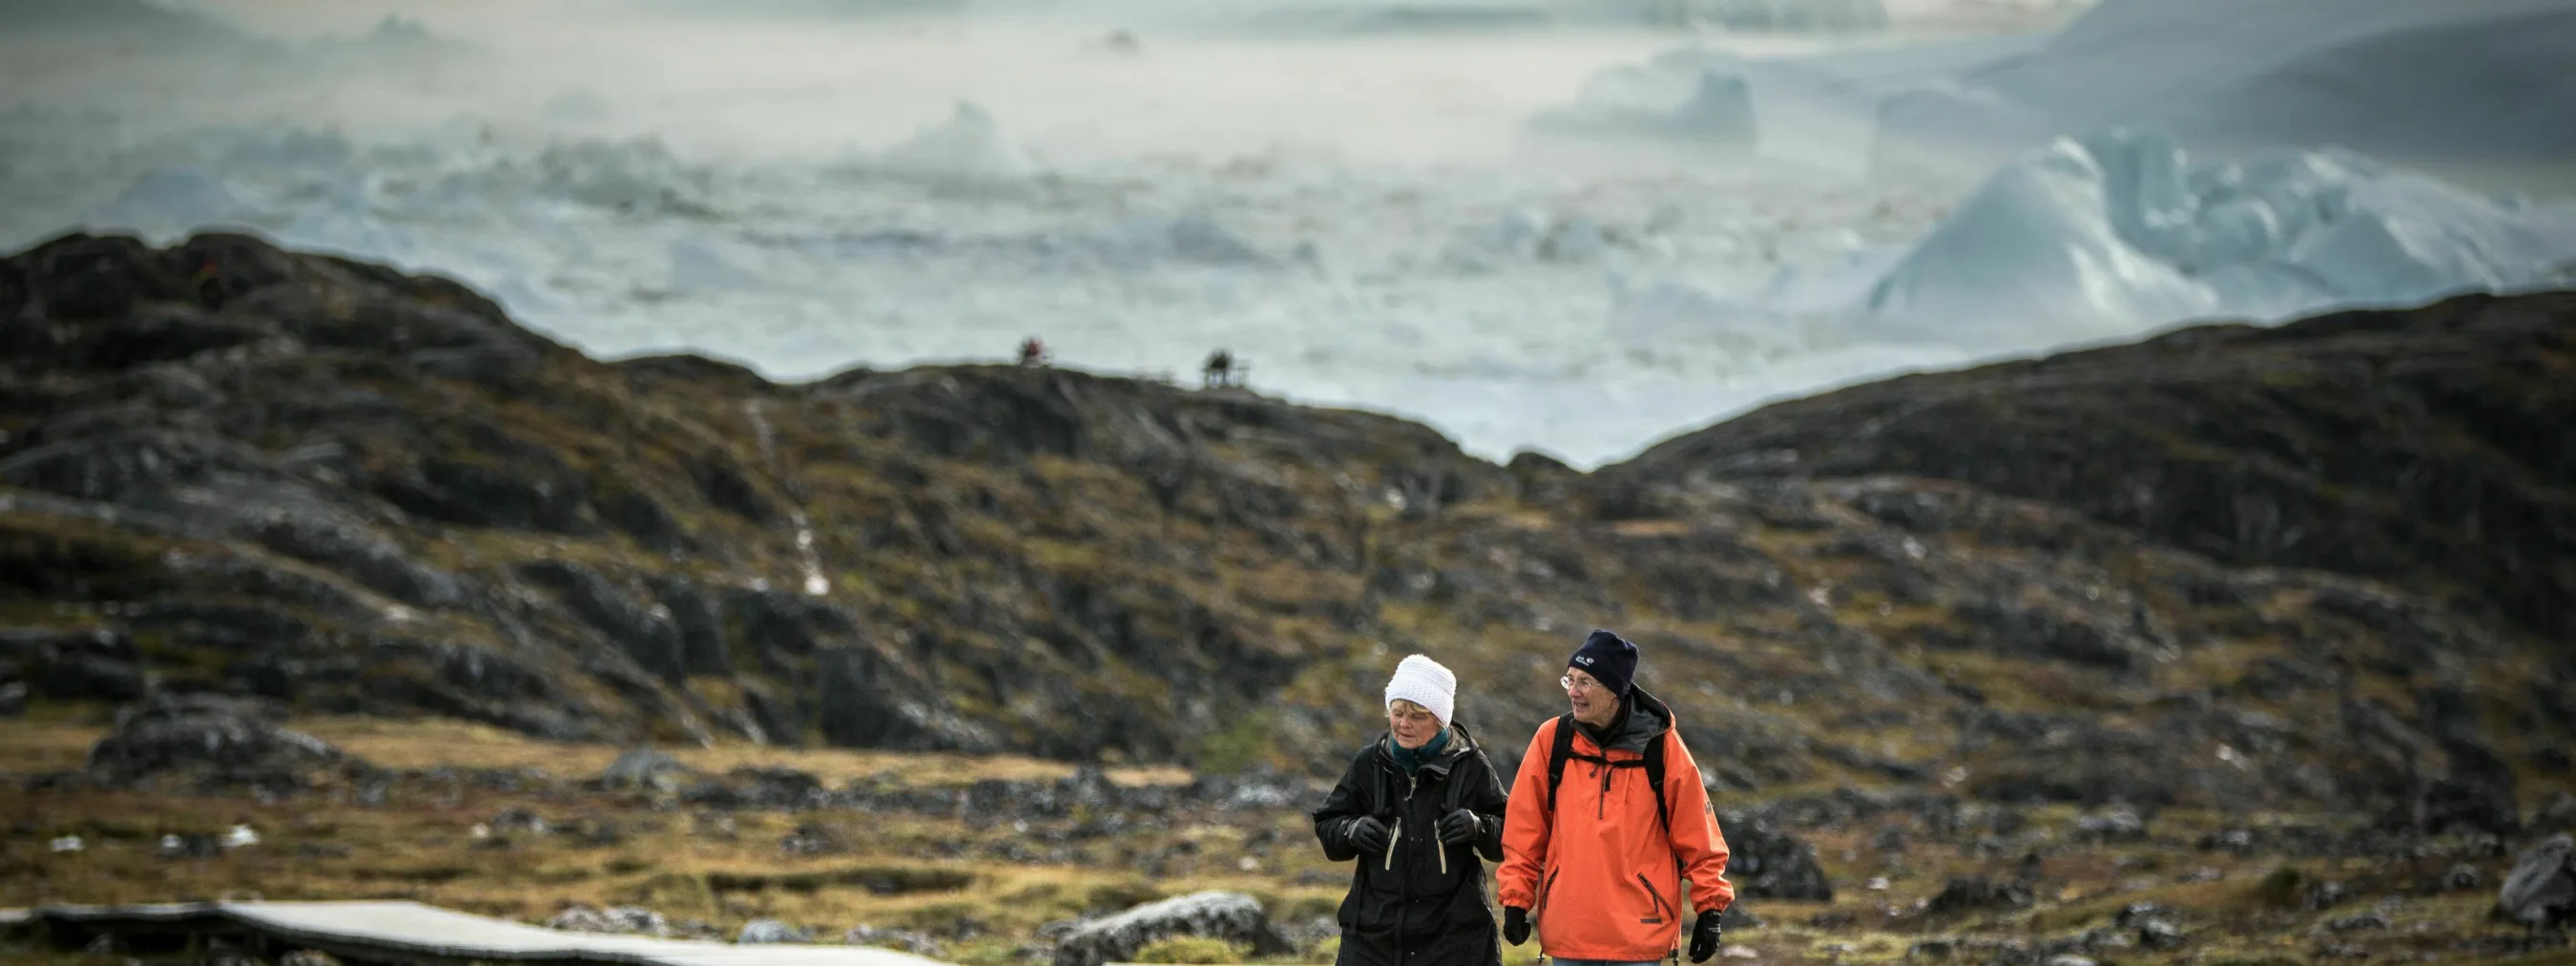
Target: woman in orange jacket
pixel 1594 852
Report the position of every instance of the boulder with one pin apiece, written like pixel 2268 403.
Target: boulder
pixel 903 939
pixel 1978 892
pixel 2159 934
pixel 2556 814
pixel 512 820
pixel 215 740
pixel 1768 863
pixel 646 631
pixel 868 700
pixel 81 664
pixel 810 839
pixel 616 920
pixel 2116 825
pixel 2451 805
pixel 693 611
pixel 762 931
pixel 1230 916
pixel 2541 890
pixel 189 846
pixel 2462 877
pixel 90 676
pixel 644 769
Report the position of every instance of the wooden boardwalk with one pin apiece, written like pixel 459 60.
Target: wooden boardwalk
pixel 409 933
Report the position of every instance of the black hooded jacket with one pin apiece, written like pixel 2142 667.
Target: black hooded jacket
pixel 1417 902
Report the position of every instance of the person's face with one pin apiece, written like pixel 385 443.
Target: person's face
pixel 1413 724
pixel 1593 703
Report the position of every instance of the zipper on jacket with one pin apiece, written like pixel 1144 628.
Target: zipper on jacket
pixel 1660 907
pixel 1602 802
pixel 1395 836
pixel 1544 890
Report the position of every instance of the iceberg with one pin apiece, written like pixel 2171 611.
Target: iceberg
pixel 638 175
pixel 1823 109
pixel 967 147
pixel 176 199
pixel 2107 235
pixel 1678 98
pixel 2476 80
pixel 1830 16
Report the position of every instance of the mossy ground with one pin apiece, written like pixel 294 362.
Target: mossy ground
pixel 976 885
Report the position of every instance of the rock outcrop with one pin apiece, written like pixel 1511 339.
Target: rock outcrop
pixel 2107 579
pixel 212 742
pixel 1230 916
pixel 615 920
pixel 1768 863
pixel 2541 890
pixel 2434 447
pixel 771 932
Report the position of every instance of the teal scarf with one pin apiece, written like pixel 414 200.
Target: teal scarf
pixel 1411 759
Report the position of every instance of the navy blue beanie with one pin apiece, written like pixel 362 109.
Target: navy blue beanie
pixel 1609 658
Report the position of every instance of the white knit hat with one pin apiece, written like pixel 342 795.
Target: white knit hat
pixel 1423 681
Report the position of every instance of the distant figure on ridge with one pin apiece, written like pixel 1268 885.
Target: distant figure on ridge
pixel 1032 352
pixel 208 283
pixel 1219 370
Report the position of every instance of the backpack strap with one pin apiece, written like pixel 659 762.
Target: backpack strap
pixel 1563 748
pixel 1558 752
pixel 1457 783
pixel 1378 802
pixel 1655 778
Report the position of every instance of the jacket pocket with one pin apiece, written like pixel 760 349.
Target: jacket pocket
pixel 1661 908
pixel 1543 889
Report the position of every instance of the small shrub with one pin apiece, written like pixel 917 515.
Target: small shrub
pixel 1328 951
pixel 1190 949
pixel 2285 888
pixel 1311 907
pixel 1114 896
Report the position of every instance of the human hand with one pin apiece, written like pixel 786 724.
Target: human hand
pixel 1459 827
pixel 1704 935
pixel 1367 834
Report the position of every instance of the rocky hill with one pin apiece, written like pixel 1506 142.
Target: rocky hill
pixel 2319 566
pixel 2434 449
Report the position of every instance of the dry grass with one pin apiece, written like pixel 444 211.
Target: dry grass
pixel 61 740
pixel 36 745
pixel 424 744
pixel 421 842
pixel 984 887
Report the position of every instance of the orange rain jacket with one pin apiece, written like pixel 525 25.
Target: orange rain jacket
pixel 1595 868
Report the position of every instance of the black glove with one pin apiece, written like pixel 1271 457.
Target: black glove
pixel 1515 925
pixel 1704 935
pixel 1459 827
pixel 1366 834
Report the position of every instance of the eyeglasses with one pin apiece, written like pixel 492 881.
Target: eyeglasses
pixel 1570 684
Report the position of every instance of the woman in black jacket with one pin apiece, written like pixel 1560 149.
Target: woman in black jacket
pixel 1417 808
